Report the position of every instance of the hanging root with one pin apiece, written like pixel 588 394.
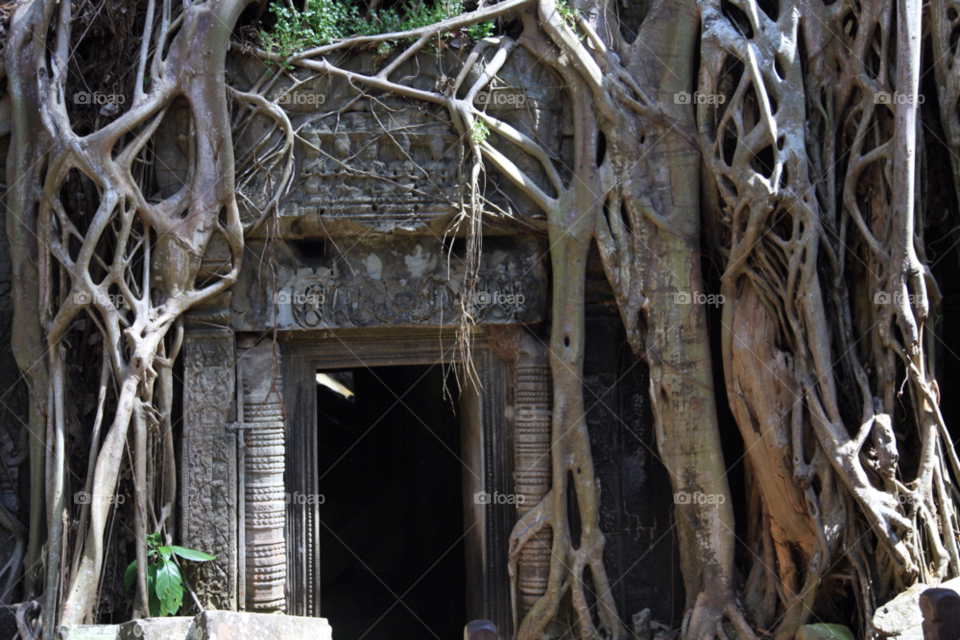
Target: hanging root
pixel 787 249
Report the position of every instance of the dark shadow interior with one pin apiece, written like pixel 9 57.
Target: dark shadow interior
pixel 392 551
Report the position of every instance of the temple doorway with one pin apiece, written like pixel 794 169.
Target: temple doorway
pixel 392 544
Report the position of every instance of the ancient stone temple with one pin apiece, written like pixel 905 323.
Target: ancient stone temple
pixel 342 455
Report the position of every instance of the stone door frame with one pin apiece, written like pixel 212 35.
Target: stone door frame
pixel 486 447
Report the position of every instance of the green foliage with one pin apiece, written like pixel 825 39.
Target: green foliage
pixel 325 21
pixel 480 30
pixel 569 14
pixel 164 581
pixel 480 131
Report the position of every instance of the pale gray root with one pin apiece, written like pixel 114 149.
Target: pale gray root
pixel 795 338
pixel 156 294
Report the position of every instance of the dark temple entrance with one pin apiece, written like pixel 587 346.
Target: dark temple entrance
pixel 391 529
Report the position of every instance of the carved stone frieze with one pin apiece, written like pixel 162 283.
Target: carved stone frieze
pixel 403 282
pixel 390 164
pixel 209 494
pixel 385 174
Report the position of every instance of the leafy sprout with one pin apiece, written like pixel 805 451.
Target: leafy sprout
pixel 164 580
pixel 569 14
pixel 480 131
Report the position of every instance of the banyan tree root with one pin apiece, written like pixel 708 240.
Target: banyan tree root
pixel 827 295
pixel 799 329
pixel 133 265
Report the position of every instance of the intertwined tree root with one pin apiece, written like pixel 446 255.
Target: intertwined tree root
pixel 132 266
pixel 807 323
pixel 811 182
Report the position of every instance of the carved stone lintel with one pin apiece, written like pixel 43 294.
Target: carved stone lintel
pixel 395 281
pixel 208 472
pixel 534 400
pixel 264 493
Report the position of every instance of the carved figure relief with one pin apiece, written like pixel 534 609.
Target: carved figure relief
pixel 400 282
pixel 381 167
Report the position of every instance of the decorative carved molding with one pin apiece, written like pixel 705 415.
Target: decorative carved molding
pixel 387 179
pixel 209 494
pixel 381 165
pixel 533 418
pixel 401 282
pixel 264 491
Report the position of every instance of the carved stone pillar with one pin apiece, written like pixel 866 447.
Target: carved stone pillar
pixel 534 401
pixel 263 465
pixel 209 468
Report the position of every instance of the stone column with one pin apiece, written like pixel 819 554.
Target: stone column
pixel 531 478
pixel 263 466
pixel 208 469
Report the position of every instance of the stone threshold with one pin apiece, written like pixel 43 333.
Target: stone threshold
pixel 207 625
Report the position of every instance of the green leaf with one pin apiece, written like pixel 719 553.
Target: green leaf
pixel 152 601
pixel 164 578
pixel 192 554
pixel 173 598
pixel 153 540
pixel 156 609
pixel 130 575
pixel 165 552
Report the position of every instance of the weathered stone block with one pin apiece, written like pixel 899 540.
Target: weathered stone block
pixel 89 632
pixel 231 625
pixel 824 632
pixel 155 629
pixel 901 617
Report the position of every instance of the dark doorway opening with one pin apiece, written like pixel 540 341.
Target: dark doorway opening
pixel 392 562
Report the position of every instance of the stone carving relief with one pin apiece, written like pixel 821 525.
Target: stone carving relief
pixel 534 413
pixel 263 467
pixel 385 163
pixel 209 500
pixel 387 170
pixel 396 282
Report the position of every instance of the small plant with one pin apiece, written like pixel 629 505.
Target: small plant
pixel 325 21
pixel 569 14
pixel 480 131
pixel 480 30
pixel 164 581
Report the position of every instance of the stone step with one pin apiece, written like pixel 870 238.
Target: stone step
pixel 208 625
